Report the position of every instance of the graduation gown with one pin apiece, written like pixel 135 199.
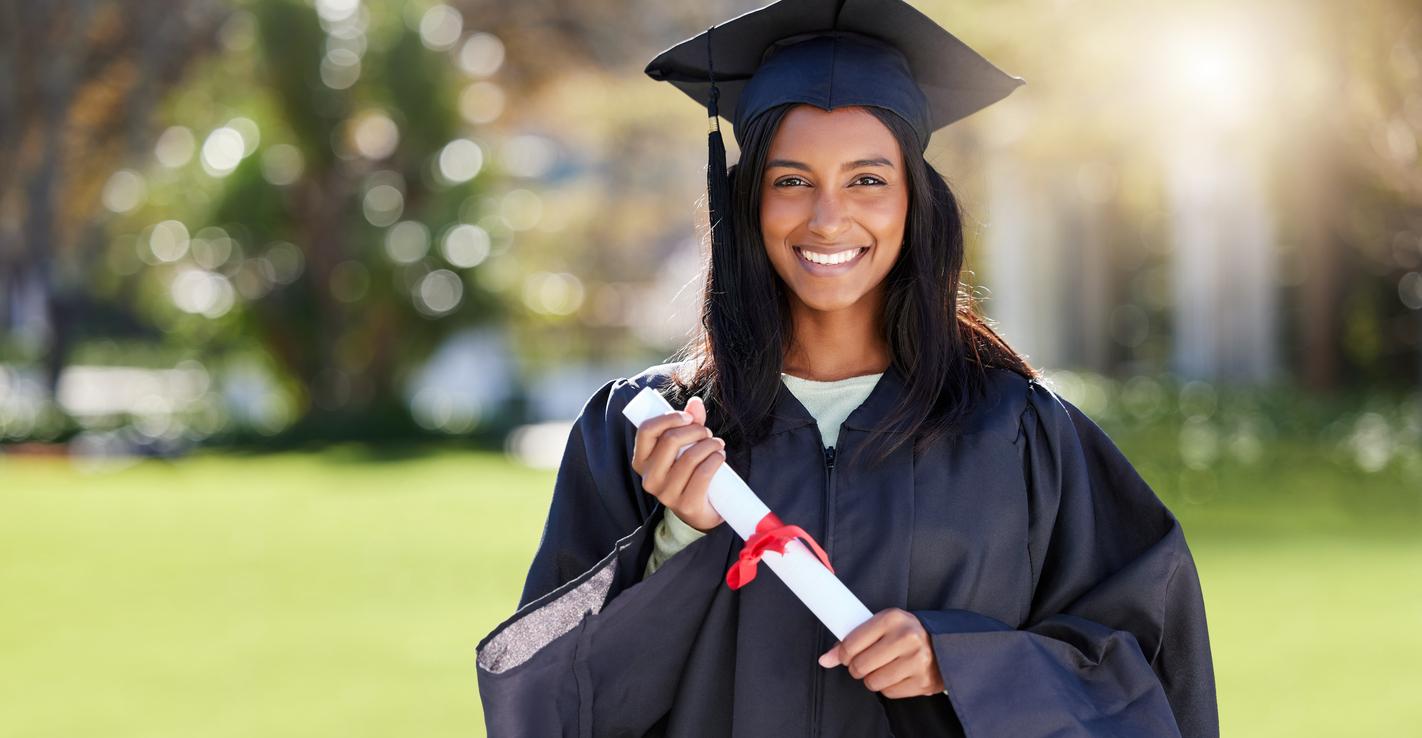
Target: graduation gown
pixel 1058 591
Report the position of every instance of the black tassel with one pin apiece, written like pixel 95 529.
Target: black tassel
pixel 718 187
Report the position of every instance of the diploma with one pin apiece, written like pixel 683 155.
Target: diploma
pixel 799 568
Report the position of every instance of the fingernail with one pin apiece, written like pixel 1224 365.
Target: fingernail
pixel 723 443
pixel 827 660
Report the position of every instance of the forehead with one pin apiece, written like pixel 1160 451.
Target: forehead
pixel 808 133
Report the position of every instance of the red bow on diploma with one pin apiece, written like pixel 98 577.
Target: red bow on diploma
pixel 770 535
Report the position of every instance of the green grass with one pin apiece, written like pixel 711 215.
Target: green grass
pixel 292 595
pixel 337 594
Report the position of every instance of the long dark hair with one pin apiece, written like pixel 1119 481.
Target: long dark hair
pixel 936 340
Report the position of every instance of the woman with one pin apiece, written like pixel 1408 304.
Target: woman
pixel 1011 555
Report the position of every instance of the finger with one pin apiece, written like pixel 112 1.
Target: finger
pixel 661 458
pixel 882 652
pixel 694 495
pixel 648 433
pixel 891 673
pixel 909 687
pixel 680 472
pixel 697 407
pixel 858 639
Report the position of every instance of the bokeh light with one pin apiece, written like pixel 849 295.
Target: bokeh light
pixel 437 409
pixel 383 205
pixel 222 151
pixel 250 133
pixel 481 55
pixel 522 209
pixel 282 164
pixel 175 147
pixel 465 246
pixel 168 240
pixel 439 292
pixel 558 293
pixel 285 262
pixel 336 11
pixel 482 102
pixel 374 135
pixel 201 292
pixel 211 247
pixel 407 242
pixel 440 27
pixel 460 161
pixel 340 68
pixel 1409 290
pixel 124 191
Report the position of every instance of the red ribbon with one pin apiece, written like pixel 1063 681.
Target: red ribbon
pixel 770 535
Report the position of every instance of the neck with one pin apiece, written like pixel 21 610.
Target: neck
pixel 832 345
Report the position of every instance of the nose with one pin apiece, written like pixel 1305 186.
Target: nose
pixel 830 219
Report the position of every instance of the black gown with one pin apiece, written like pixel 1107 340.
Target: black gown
pixel 1058 590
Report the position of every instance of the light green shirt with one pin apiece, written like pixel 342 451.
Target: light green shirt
pixel 828 402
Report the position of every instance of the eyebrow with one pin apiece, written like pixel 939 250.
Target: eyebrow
pixel 877 161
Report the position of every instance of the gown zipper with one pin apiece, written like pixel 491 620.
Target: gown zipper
pixel 822 646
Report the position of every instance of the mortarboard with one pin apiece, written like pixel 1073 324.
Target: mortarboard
pixel 831 54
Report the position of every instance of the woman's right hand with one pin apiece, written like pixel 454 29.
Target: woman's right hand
pixel 680 483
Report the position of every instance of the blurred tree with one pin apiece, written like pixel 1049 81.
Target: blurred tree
pixel 79 83
pixel 1352 190
pixel 1383 49
pixel 364 308
pixel 333 213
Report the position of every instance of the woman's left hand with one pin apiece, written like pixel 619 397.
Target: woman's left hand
pixel 891 653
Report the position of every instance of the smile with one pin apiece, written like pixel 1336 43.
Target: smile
pixel 829 263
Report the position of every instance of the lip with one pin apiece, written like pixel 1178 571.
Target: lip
pixel 829 270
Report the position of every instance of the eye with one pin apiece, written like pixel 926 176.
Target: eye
pixel 868 180
pixel 785 182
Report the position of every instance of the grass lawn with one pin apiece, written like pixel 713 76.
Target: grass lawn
pixel 337 594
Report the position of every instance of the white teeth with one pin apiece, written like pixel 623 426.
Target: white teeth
pixel 829 259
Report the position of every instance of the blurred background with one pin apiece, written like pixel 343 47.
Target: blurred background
pixel 298 298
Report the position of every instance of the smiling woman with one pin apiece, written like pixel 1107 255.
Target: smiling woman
pixel 1023 579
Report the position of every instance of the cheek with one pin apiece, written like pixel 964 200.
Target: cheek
pixel 887 218
pixel 778 217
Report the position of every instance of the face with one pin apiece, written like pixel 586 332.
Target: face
pixel 833 205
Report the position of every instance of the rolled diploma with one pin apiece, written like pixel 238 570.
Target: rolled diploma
pixel 798 568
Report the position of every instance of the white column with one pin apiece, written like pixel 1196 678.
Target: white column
pixel 1022 263
pixel 1224 267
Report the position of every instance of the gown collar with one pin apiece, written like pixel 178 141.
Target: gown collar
pixel 789 413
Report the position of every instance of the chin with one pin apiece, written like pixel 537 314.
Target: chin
pixel 827 303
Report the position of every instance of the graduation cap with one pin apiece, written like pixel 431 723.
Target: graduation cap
pixel 831 54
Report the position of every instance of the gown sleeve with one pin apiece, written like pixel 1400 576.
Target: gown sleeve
pixel 1115 642
pixel 558 665
pixel 597 498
